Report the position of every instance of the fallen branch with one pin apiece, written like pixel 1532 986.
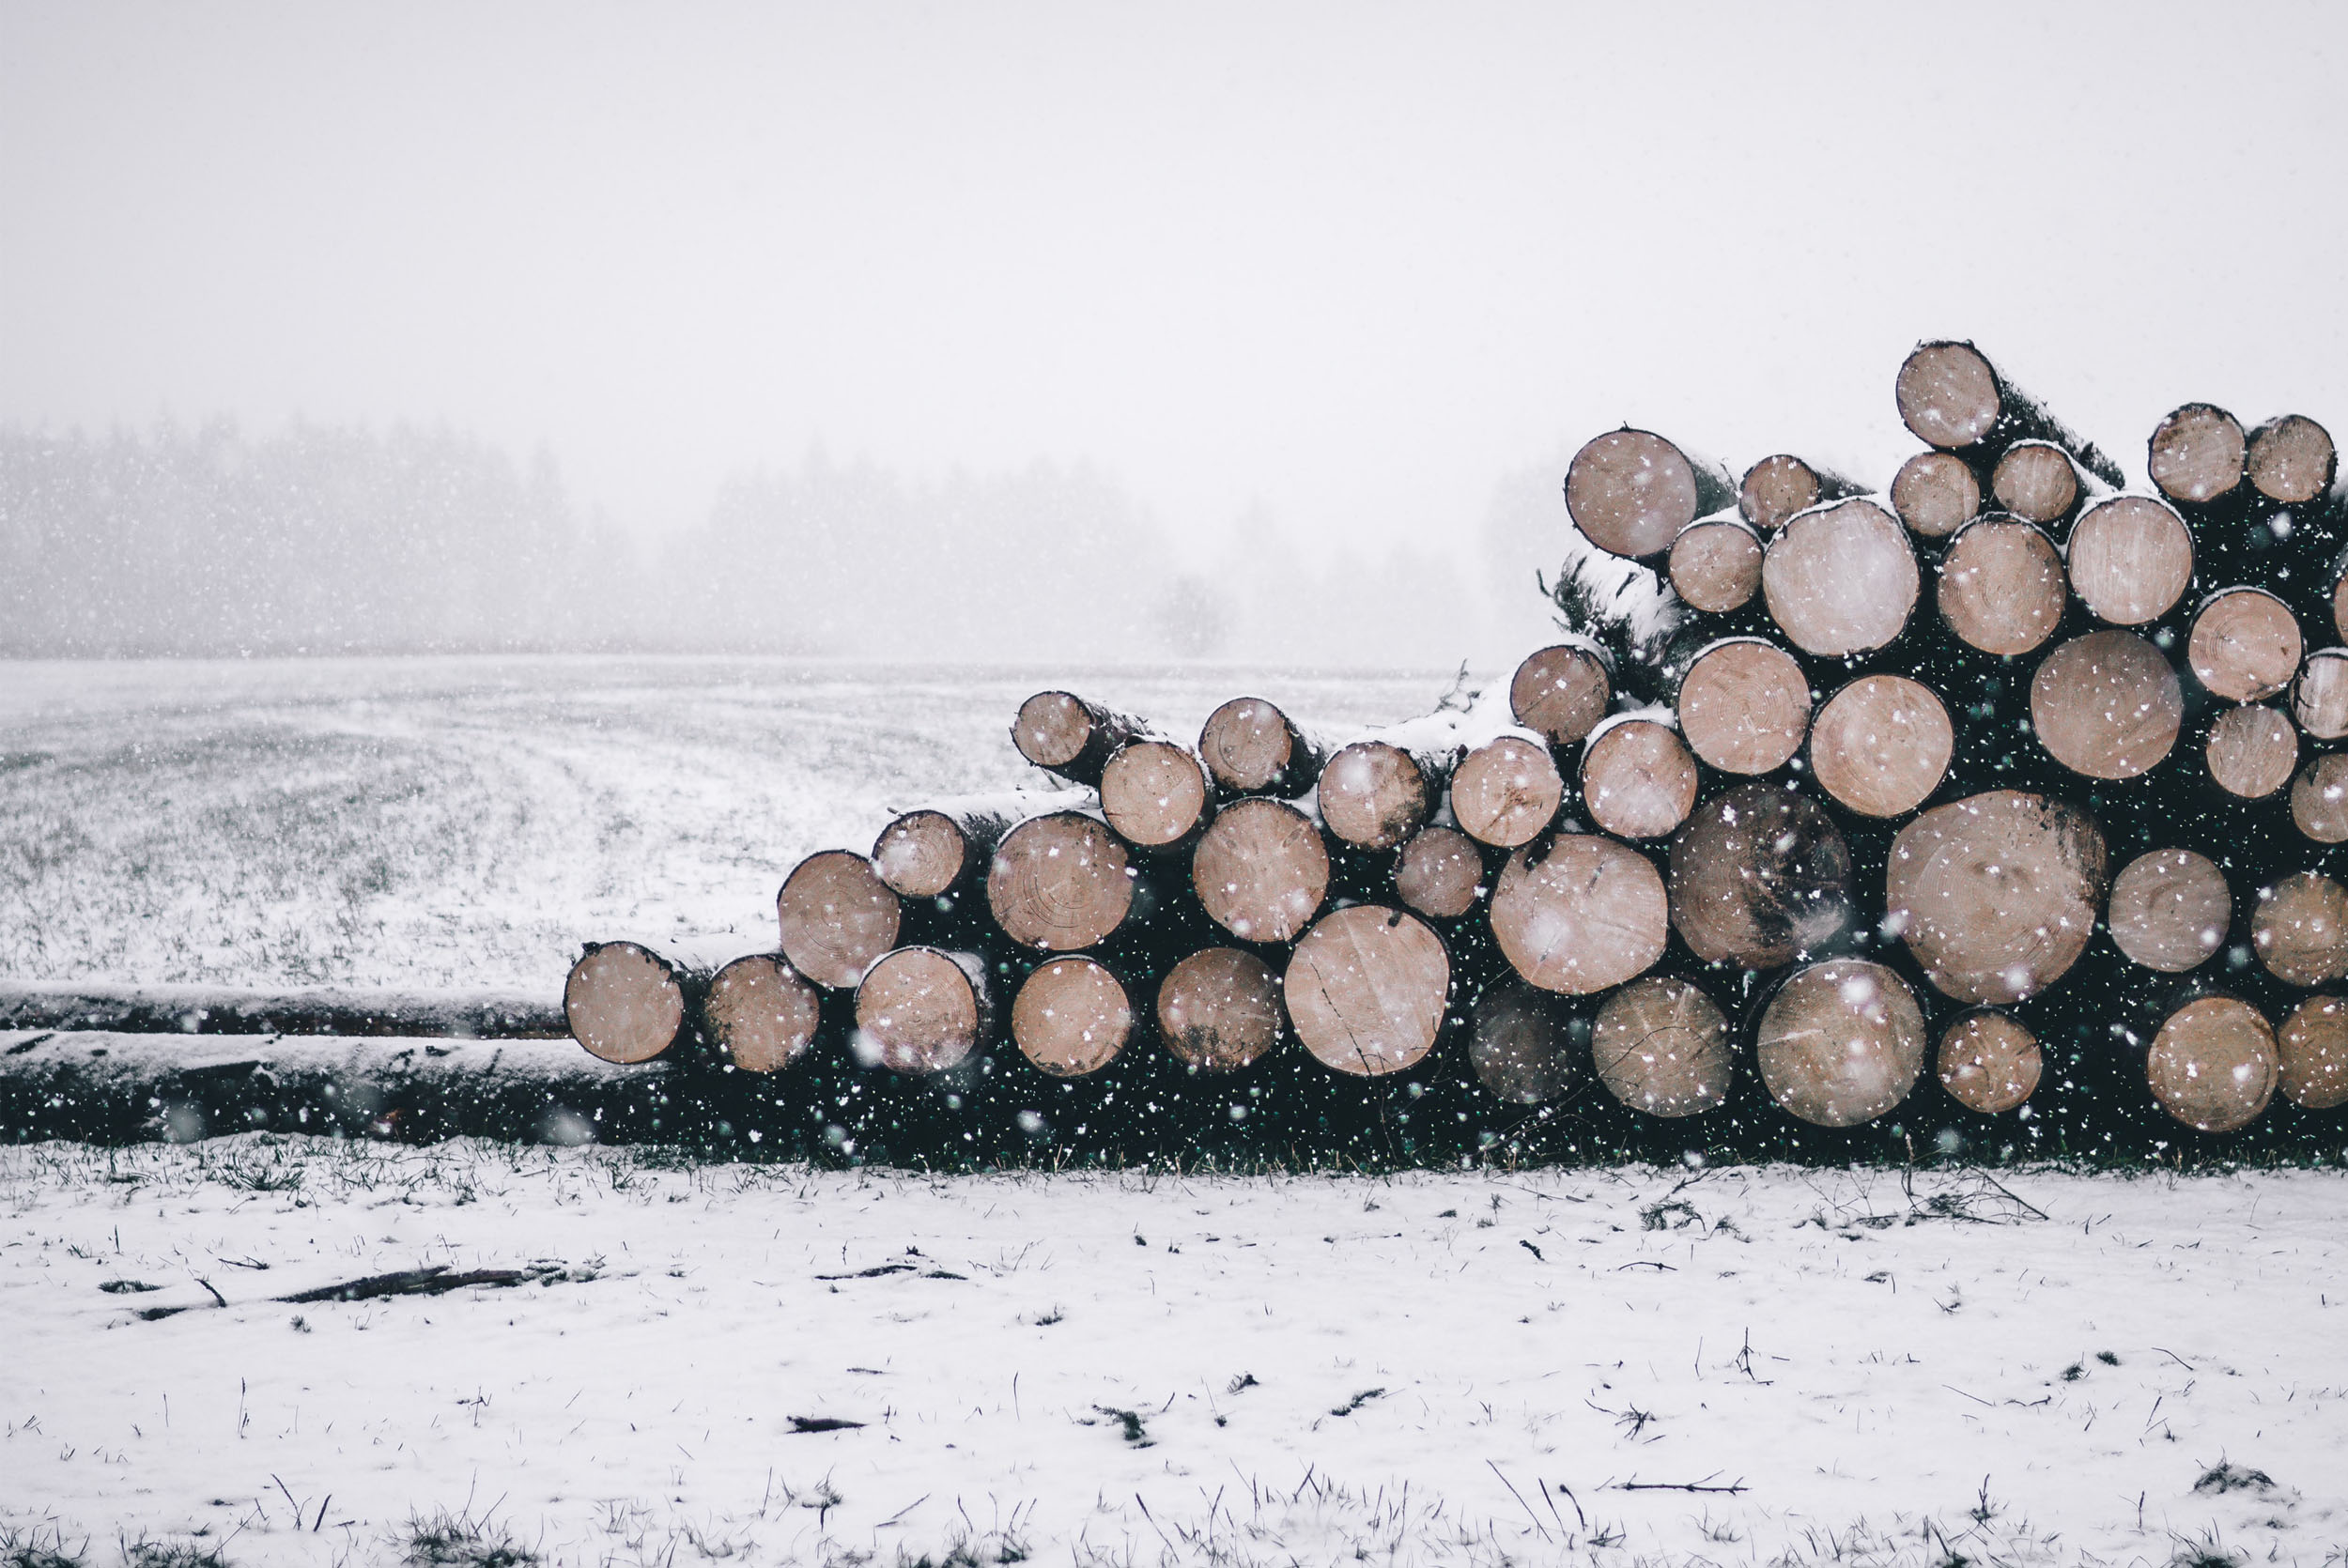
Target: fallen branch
pixel 1635 1485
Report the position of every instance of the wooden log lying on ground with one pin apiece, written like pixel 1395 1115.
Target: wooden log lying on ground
pixel 1252 748
pixel 301 1010
pixel 2195 454
pixel 2300 929
pixel 1715 564
pixel 1579 914
pixel 1777 487
pixel 1881 744
pixel 1950 397
pixel 2036 481
pixel 1060 882
pixel 1996 895
pixel 2214 1064
pixel 1220 1009
pixel 1631 491
pixel 2130 560
pixel 1507 790
pixel 2252 750
pixel 1374 794
pixel 921 1010
pixel 837 916
pixel 1154 794
pixel 2319 800
pixel 2313 1045
pixel 2292 460
pixel 2107 705
pixel 1760 877
pixel 1261 870
pixel 1841 1043
pixel 1841 579
pixel 1663 1046
pixel 761 1012
pixel 2002 587
pixel 1367 987
pixel 1440 873
pixel 1522 1046
pixel 1562 692
pixel 1744 705
pixel 2169 909
pixel 1936 493
pixel 2245 644
pixel 2319 700
pixel 1064 734
pixel 1637 777
pixel 933 850
pixel 628 1001
pixel 1988 1062
pixel 1071 1017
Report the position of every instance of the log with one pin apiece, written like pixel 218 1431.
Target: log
pixel 761 1012
pixel 1374 794
pixel 1663 1046
pixel 1071 1017
pixel 932 850
pixel 2214 1064
pixel 1440 873
pixel 1522 1046
pixel 1936 493
pixel 627 1002
pixel 1841 1043
pixel 1989 1062
pixel 1881 745
pixel 2195 454
pixel 1219 1010
pixel 1579 914
pixel 1841 579
pixel 2169 909
pixel 1367 987
pixel 1996 895
pixel 2036 481
pixel 1760 877
pixel 2106 705
pixel 1638 777
pixel 2130 560
pixel 2319 800
pixel 2252 750
pixel 2002 587
pixel 1261 870
pixel 1154 794
pixel 2245 644
pixel 1776 487
pixel 1716 563
pixel 1950 397
pixel 2320 699
pixel 1251 748
pixel 1744 705
pixel 2313 1047
pixel 1561 692
pixel 921 1010
pixel 1631 491
pixel 837 917
pixel 2292 460
pixel 1060 882
pixel 2300 929
pixel 301 1010
pixel 1506 790
pixel 1063 734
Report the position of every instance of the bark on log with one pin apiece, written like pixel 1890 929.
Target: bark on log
pixel 1776 487
pixel 1261 870
pixel 1631 491
pixel 306 1010
pixel 1367 989
pixel 1936 493
pixel 2319 800
pixel 932 851
pixel 1522 1046
pixel 2292 460
pixel 1841 1043
pixel 1996 895
pixel 1063 734
pixel 2106 705
pixel 2195 454
pixel 1071 1017
pixel 1577 913
pixel 1881 744
pixel 2170 910
pixel 2002 587
pixel 1219 1010
pixel 2037 483
pixel 1374 794
pixel 1251 748
pixel 1989 1062
pixel 2313 1045
pixel 1060 882
pixel 1760 877
pixel 1950 397
pixel 1716 563
pixel 1154 794
pixel 627 1001
pixel 1744 705
pixel 2245 644
pixel 2130 560
pixel 1561 692
pixel 921 1010
pixel 2319 700
pixel 1841 579
pixel 1638 777
pixel 837 917
pixel 761 1012
pixel 1663 1046
pixel 2214 1065
pixel 2300 929
pixel 2253 750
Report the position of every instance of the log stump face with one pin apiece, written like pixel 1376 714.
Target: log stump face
pixel 1261 870
pixel 1247 743
pixel 1759 877
pixel 1219 1010
pixel 1774 489
pixel 623 1004
pixel 1506 791
pixel 1154 793
pixel 837 917
pixel 2196 453
pixel 2214 1065
pixel 1060 882
pixel 2245 644
pixel 2036 481
pixel 1841 580
pixel 2319 800
pixel 1663 1047
pixel 2319 700
pixel 918 1012
pixel 1936 493
pixel 1744 706
pixel 1373 795
pixel 1988 1063
pixel 1997 894
pixel 2131 560
pixel 2170 910
pixel 1716 564
pixel 1071 1017
pixel 1882 745
pixel 1441 872
pixel 1841 1042
pixel 2300 929
pixel 2292 460
pixel 1639 779
pixel 1052 730
pixel 2252 751
pixel 1585 916
pixel 2107 705
pixel 1367 990
pixel 2313 1042
pixel 1630 492
pixel 1948 395
pixel 760 1013
pixel 920 855
pixel 1522 1046
pixel 2001 587
pixel 1561 693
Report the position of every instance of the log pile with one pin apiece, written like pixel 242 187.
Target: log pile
pixel 2003 786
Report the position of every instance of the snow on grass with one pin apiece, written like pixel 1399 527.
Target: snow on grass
pixel 762 1364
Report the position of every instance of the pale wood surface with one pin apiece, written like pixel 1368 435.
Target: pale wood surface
pixel 837 917
pixel 1586 916
pixel 1881 744
pixel 1996 894
pixel 1841 1043
pixel 1367 989
pixel 2170 910
pixel 1071 1017
pixel 1663 1046
pixel 1989 1062
pixel 1261 870
pixel 2214 1065
pixel 2107 705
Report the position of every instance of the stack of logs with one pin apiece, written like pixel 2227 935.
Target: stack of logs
pixel 1858 780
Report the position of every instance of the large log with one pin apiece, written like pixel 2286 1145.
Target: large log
pixel 1760 877
pixel 2245 644
pixel 837 916
pixel 1261 870
pixel 1715 564
pixel 1579 914
pixel 1071 1017
pixel 2170 910
pixel 1219 1010
pixel 1064 734
pixel 2253 750
pixel 176 1010
pixel 1777 486
pixel 1744 705
pixel 1841 1043
pixel 1881 744
pixel 627 1002
pixel 2130 560
pixel 1638 777
pixel 2214 1064
pixel 1154 794
pixel 2313 1044
pixel 1507 790
pixel 1988 1062
pixel 1936 493
pixel 1522 1046
pixel 761 1012
pixel 1631 491
pixel 2195 454
pixel 1841 579
pixel 2300 929
pixel 2002 587
pixel 921 1010
pixel 2292 460
pixel 1367 987
pixel 1252 748
pixel 1374 794
pixel 2320 699
pixel 1996 895
pixel 1060 882
pixel 1440 873
pixel 2319 800
pixel 2107 705
pixel 1663 1046
pixel 1952 398
pixel 2037 482
pixel 1562 692
pixel 935 850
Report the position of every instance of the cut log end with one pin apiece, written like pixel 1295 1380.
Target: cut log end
pixel 1060 882
pixel 838 915
pixel 2214 1065
pixel 1071 1017
pixel 1153 793
pixel 1219 1010
pixel 2300 929
pixel 1506 791
pixel 1841 1043
pixel 1775 488
pixel 762 1013
pixel 1261 870
pixel 1053 729
pixel 2196 453
pixel 1997 894
pixel 623 1003
pixel 1841 580
pixel 1524 1045
pixel 920 855
pixel 1882 745
pixel 2002 587
pixel 1373 795
pixel 2319 800
pixel 2245 644
pixel 2131 560
pixel 1586 916
pixel 2313 1042
pixel 1440 873
pixel 1988 1063
pixel 1663 1046
pixel 1760 877
pixel 2252 751
pixel 1248 744
pixel 2319 700
pixel 1716 564
pixel 1561 692
pixel 2292 460
pixel 1367 989
pixel 1630 492
pixel 2170 910
pixel 1936 493
pixel 1639 779
pixel 918 1011
pixel 2107 705
pixel 2035 481
pixel 1948 395
pixel 1744 706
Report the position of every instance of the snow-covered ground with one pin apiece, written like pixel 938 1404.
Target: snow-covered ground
pixel 1134 1369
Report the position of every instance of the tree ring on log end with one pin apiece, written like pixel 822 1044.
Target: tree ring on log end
pixel 2300 929
pixel 1663 1046
pixel 1586 916
pixel 1638 778
pixel 1153 793
pixel 1716 564
pixel 1261 870
pixel 1219 1010
pixel 2245 644
pixel 1506 790
pixel 1440 873
pixel 1522 1046
pixel 762 1013
pixel 837 917
pixel 1841 580
pixel 920 854
pixel 1841 1042
pixel 623 1003
pixel 1989 1062
pixel 1775 488
pixel 1630 492
pixel 2292 460
pixel 2252 750
pixel 1560 692
pixel 2170 910
pixel 2319 800
pixel 1373 795
pixel 1882 745
pixel 1936 493
pixel 1948 395
pixel 1071 1017
pixel 918 1012
pixel 1759 877
pixel 2035 481
pixel 1060 882
pixel 2319 700
pixel 1367 989
pixel 2001 587
pixel 1247 743
pixel 1744 705
pixel 2313 1042
pixel 2196 453
pixel 1053 729
pixel 1997 894
pixel 2214 1064
pixel 2107 705
pixel 2130 558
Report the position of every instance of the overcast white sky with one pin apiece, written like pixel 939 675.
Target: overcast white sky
pixel 1353 261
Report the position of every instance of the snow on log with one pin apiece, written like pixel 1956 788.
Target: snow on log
pixel 1841 579
pixel 627 1001
pixel 2245 644
pixel 1630 492
pixel 2130 560
pixel 2195 454
pixel 2253 750
pixel 1841 1043
pixel 1760 877
pixel 2319 800
pixel 1261 870
pixel 1776 487
pixel 2300 929
pixel 1715 564
pixel 2107 705
pixel 1936 493
pixel 1561 692
pixel 2169 909
pixel 2214 1064
pixel 1507 790
pixel 1988 1062
pixel 1060 882
pixel 2037 483
pixel 761 1012
pixel 1950 397
pixel 1637 777
pixel 1996 895
pixel 1881 744
pixel 1063 733
pixel 921 1010
pixel 2313 1043
pixel 2320 699
pixel 1663 1046
pixel 301 1011
pixel 927 853
pixel 838 915
pixel 1154 794
pixel 1522 1045
pixel 1744 705
pixel 1251 748
pixel 2002 587
pixel 1440 873
pixel 2292 460
pixel 1579 914
pixel 1219 1010
pixel 1367 987
pixel 1071 1017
